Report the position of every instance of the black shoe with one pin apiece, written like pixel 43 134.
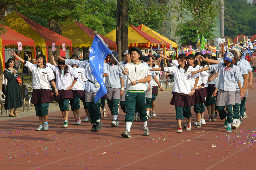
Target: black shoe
pixel 126 134
pixel 98 126
pixel 93 129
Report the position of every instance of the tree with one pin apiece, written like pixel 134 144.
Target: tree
pixel 239 18
pixel 200 16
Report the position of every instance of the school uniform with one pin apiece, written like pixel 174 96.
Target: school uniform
pixel 103 99
pixel 122 98
pixel 78 89
pixel 200 94
pixel 113 85
pixel 183 83
pixel 227 80
pixel 149 93
pixel 90 89
pixel 155 85
pixel 63 81
pixel 210 99
pixel 246 64
pixel 41 96
pixel 135 94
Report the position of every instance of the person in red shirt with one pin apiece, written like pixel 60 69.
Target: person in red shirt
pixel 248 57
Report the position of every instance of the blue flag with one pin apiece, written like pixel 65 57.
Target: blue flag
pixel 98 52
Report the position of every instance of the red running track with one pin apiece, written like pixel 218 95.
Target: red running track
pixel 77 148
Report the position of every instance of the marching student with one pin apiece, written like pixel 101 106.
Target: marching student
pixel 43 78
pixel 115 87
pixel 66 77
pixel 135 91
pixel 92 86
pixel 127 59
pixel 183 90
pixel 155 86
pixel 244 83
pixel 149 92
pixel 210 102
pixel 228 77
pixel 78 91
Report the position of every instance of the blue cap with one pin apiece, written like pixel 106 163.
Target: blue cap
pixel 229 56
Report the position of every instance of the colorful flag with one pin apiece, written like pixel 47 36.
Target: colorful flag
pixel 97 55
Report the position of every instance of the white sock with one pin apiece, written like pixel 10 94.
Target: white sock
pixel 148 113
pixel 145 124
pixel 115 117
pixel 128 126
pixel 229 125
pixel 98 120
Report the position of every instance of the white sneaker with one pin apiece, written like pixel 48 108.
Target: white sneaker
pixel 45 127
pixel 105 114
pixel 86 119
pixel 115 123
pixel 234 124
pixel 154 114
pixel 188 127
pixel 179 130
pixel 65 124
pixel 203 122
pixel 41 127
pixel 245 115
pixel 238 123
pixel 78 121
pixel 198 124
pixel 146 131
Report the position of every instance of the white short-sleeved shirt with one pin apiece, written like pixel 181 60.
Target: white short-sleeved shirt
pixel 80 83
pixel 137 72
pixel 183 81
pixel 157 74
pixel 41 76
pixel 63 81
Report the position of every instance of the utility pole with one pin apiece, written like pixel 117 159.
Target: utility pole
pixel 222 18
pixel 122 27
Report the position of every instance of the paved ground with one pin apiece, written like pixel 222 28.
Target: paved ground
pixel 77 148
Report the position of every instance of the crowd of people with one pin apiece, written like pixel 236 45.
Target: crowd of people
pixel 201 80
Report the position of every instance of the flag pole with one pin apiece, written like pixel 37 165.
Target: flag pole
pixel 120 65
pixel 113 56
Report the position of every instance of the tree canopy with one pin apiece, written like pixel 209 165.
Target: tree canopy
pixel 239 18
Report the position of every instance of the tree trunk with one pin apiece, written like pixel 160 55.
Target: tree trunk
pixel 55 26
pixel 122 26
pixel 119 28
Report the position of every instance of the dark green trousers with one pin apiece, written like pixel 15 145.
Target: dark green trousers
pixel 236 111
pixel 114 106
pixel 228 113
pixel 199 108
pixel 135 101
pixel 75 103
pixel 64 105
pixel 94 111
pixel 242 107
pixel 182 112
pixel 123 107
pixel 102 102
pixel 42 109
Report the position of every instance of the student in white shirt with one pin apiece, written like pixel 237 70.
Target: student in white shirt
pixel 43 78
pixel 115 87
pixel 66 78
pixel 135 91
pixel 78 91
pixel 183 90
pixel 228 77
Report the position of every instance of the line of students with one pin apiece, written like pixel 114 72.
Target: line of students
pixel 132 88
pixel 231 77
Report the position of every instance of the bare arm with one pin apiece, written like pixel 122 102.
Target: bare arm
pixel 250 79
pixel 201 70
pixel 158 83
pixel 212 77
pixel 70 87
pixel 146 79
pixel 16 56
pixel 53 61
pixel 54 86
pixel 195 85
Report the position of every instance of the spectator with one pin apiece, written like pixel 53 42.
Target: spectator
pixel 13 97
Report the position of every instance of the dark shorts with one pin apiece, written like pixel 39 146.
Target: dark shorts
pixel 148 102
pixel 41 109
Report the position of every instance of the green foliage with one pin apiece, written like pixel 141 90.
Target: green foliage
pixel 150 13
pixel 201 18
pixel 239 18
pixel 99 15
